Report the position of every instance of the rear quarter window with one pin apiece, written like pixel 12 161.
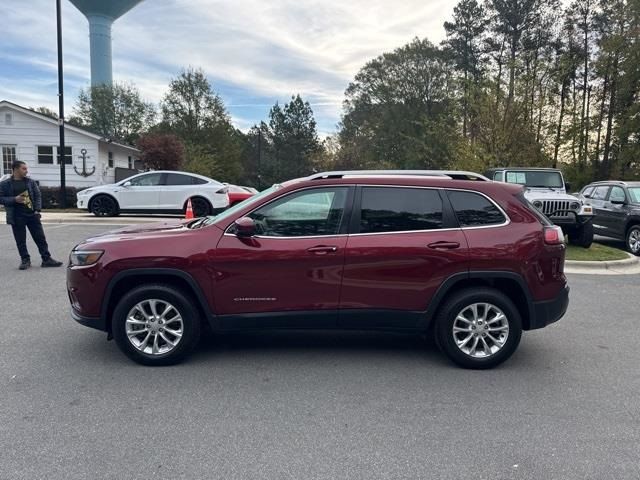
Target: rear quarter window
pixel 475 210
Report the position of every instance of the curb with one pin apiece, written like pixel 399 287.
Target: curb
pixel 630 265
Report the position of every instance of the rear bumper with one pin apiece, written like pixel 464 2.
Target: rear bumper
pixel 549 311
pixel 93 322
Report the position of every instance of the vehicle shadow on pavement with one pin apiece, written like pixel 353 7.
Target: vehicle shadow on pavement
pixel 329 343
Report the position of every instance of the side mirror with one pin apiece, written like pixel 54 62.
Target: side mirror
pixel 126 184
pixel 618 202
pixel 245 227
pixel 567 186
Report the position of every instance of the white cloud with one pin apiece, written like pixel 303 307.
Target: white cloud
pixel 248 48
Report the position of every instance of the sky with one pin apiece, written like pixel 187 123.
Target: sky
pixel 254 52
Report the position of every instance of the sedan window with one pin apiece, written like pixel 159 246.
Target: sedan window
pixel 148 180
pixel 174 179
pixel 634 193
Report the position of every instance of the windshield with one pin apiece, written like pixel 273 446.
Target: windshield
pixel 536 178
pixel 634 193
pixel 249 201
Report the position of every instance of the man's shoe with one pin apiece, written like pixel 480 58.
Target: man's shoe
pixel 24 264
pixel 50 262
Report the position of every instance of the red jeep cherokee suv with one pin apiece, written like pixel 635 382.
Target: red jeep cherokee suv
pixel 447 253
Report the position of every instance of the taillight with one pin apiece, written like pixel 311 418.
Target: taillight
pixel 553 235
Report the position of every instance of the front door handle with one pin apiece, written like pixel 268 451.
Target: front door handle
pixel 444 245
pixel 323 249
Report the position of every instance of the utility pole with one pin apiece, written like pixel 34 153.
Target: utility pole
pixel 61 148
pixel 259 155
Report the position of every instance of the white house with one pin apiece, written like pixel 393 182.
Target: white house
pixel 34 138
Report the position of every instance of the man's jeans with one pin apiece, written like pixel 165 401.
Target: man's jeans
pixel 32 222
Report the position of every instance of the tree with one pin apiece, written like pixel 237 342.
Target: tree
pixel 161 151
pixel 400 111
pixel 191 107
pixel 464 38
pixel 293 138
pixel 116 112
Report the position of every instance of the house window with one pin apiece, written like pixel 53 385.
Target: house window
pixel 45 155
pixel 8 119
pixel 8 157
pixel 67 155
pixel 130 163
pixel 110 156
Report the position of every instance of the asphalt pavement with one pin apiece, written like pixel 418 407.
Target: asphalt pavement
pixel 314 405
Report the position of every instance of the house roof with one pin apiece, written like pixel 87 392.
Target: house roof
pixel 72 128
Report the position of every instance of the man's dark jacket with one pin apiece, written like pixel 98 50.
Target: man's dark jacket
pixel 8 199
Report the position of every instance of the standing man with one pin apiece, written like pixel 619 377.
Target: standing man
pixel 21 198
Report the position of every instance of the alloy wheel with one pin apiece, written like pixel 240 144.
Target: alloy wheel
pixel 634 241
pixel 154 327
pixel 480 330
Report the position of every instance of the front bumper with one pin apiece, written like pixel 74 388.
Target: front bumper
pixel 92 322
pixel 549 311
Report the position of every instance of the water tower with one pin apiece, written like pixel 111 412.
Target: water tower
pixel 101 14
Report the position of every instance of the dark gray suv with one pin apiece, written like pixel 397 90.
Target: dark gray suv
pixel 616 208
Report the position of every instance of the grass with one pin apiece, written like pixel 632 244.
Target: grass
pixel 596 253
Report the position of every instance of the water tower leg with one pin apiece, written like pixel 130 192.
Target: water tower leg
pixel 100 41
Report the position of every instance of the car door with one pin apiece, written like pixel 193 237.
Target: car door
pixel 290 272
pixel 616 208
pixel 403 243
pixel 597 201
pixel 177 187
pixel 141 192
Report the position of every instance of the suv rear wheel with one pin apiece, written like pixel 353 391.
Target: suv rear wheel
pixel 478 328
pixel 156 325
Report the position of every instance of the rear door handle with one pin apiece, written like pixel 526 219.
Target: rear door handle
pixel 444 245
pixel 323 249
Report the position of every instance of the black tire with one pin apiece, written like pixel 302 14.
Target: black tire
pixel 633 240
pixel 183 304
pixel 582 236
pixel 201 207
pixel 455 305
pixel 104 206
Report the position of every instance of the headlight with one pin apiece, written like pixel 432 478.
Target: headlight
pixel 84 258
pixel 575 206
pixel 537 204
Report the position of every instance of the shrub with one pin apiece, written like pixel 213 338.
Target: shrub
pixel 51 197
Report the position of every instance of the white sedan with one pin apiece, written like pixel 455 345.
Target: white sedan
pixel 156 192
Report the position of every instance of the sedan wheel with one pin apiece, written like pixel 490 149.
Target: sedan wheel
pixel 201 207
pixel 104 206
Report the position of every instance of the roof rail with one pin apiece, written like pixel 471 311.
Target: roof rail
pixel 452 174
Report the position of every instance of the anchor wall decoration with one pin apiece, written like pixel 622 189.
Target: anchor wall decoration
pixel 84 172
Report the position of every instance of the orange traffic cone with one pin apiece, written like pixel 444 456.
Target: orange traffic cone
pixel 189 213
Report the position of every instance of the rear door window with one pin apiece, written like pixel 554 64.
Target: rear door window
pixel 400 209
pixel 475 210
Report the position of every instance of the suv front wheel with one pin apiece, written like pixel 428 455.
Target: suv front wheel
pixel 633 240
pixel 156 325
pixel 478 328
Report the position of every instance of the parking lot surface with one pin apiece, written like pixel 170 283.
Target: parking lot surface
pixel 313 405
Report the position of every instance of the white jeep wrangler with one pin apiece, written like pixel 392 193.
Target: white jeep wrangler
pixel 546 189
